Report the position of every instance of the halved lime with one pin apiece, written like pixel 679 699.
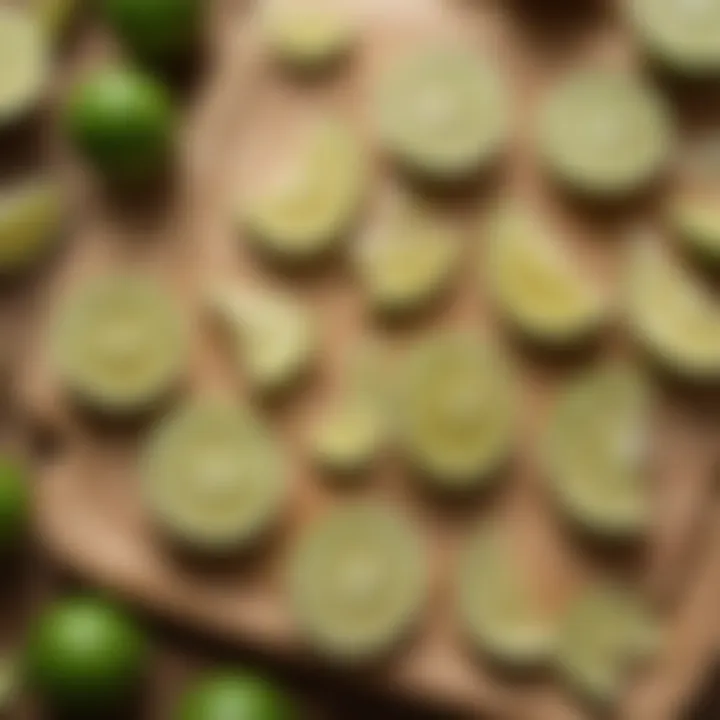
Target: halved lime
pixel 604 133
pixel 24 62
pixel 213 476
pixel 30 223
pixel 456 410
pixel 695 219
pixel 682 34
pixel 606 632
pixel 672 315
pixel 536 285
pixel 358 581
pixel 275 335
pixel 596 451
pixel 314 207
pixel 496 606
pixel 118 342
pixel 443 112
pixel 406 262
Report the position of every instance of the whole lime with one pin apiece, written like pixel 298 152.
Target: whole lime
pixel 235 696
pixel 14 503
pixel 85 656
pixel 156 30
pixel 121 121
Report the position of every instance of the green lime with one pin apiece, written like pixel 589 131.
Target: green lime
pixel 156 30
pixel 231 696
pixel 14 503
pixel 85 655
pixel 122 122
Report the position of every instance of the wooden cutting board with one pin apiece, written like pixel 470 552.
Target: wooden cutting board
pixel 239 124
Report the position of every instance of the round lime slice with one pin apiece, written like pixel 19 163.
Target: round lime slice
pixel 358 581
pixel 597 449
pixel 604 133
pixel 119 343
pixel 455 410
pixel 442 111
pixel 214 478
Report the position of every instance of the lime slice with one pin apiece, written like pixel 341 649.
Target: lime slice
pixel 604 133
pixel 596 451
pixel 408 261
pixel 682 34
pixel 672 315
pixel 119 343
pixel 537 286
pixel 315 208
pixel 275 336
pixel 442 111
pixel 214 478
pixel 358 581
pixel 696 222
pixel 30 224
pixel 307 36
pixel 24 63
pixel 497 610
pixel 456 410
pixel 606 632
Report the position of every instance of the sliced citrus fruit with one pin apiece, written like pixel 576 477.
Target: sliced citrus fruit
pixel 358 581
pixel 606 632
pixel 456 410
pixel 119 342
pixel 682 34
pixel 307 35
pixel 407 261
pixel 597 448
pixel 695 219
pixel 673 316
pixel 604 133
pixel 274 334
pixel 31 216
pixel 319 201
pixel 442 111
pixel 536 285
pixel 213 476
pixel 497 608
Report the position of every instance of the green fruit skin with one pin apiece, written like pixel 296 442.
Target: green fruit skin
pixel 156 30
pixel 85 656
pixel 14 504
pixel 235 697
pixel 122 122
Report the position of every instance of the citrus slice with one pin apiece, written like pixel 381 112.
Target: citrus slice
pixel 496 607
pixel 213 477
pixel 537 286
pixel 119 343
pixel 682 34
pixel 606 632
pixel 597 448
pixel 30 224
pixel 316 207
pixel 672 315
pixel 358 581
pixel 455 411
pixel 408 261
pixel 604 133
pixel 275 336
pixel 442 111
pixel 24 63
pixel 695 220
pixel 307 35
